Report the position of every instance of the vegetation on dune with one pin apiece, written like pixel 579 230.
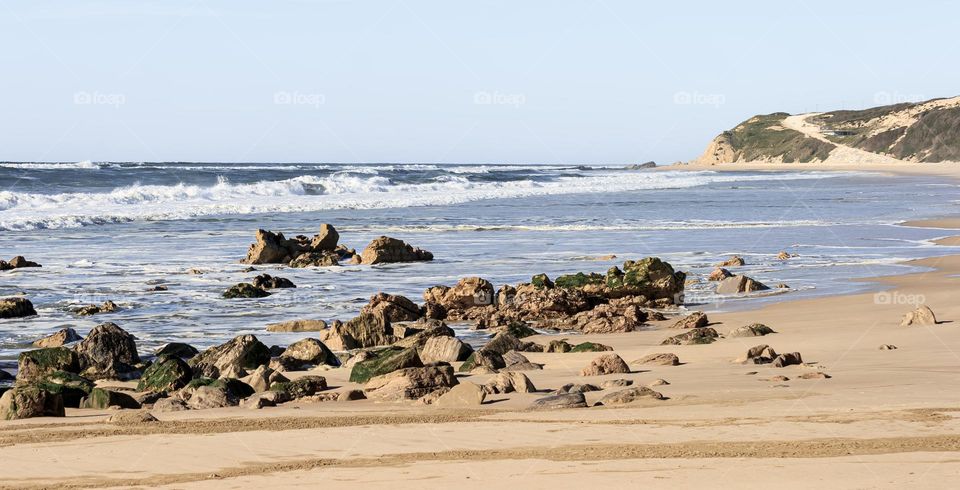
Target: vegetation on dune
pixel 763 138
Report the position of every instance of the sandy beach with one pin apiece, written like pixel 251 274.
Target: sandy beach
pixel 883 418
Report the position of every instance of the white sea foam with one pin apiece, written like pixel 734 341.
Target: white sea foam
pixel 24 211
pixel 85 165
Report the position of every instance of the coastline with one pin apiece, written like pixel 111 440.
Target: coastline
pixel 888 415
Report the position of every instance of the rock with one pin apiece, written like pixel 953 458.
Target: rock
pixel 514 357
pixel 752 330
pixel 735 261
pixel 445 349
pixel 349 360
pixel 784 256
pixel 784 360
pixel 127 417
pixel 177 349
pixel 758 354
pixel 523 366
pixel 417 334
pixel 385 362
pixel 502 343
pixel 364 331
pixel 740 284
pixel 816 375
pixel 19 262
pixel 776 379
pixel 351 395
pixel 27 401
pixel 590 347
pixel 659 359
pixel 70 386
pixel 696 336
pixel 719 274
pixel 61 337
pixel 658 382
pixel 606 364
pixel 34 364
pixel 300 387
pixel 326 240
pixel 468 293
pixel 519 330
pixel 649 277
pixel 170 405
pixel 262 378
pixel 16 308
pixel 315 259
pixel 107 307
pixel 509 382
pixel 697 319
pixel 203 393
pixel 274 248
pixel 298 326
pixel 923 315
pixel 311 351
pixel 410 383
pixel 233 357
pixel 615 383
pixel 166 374
pixel 629 395
pixel 102 398
pixel 108 352
pixel 641 166
pixel 263 400
pixel 393 306
pixel 554 402
pixel 561 346
pixel 245 290
pixel 484 359
pixel 266 281
pixel 888 347
pixel 577 388
pixel 463 395
pixel 541 281
pixel 384 250
pixel 157 289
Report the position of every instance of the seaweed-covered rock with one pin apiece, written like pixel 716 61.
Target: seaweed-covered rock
pixel 310 351
pixel 245 290
pixel 231 359
pixel 102 398
pixel 697 336
pixel 301 387
pixel 167 373
pixel 386 250
pixel 394 307
pixel 488 360
pixel 649 277
pixel 108 351
pixel 16 307
pixel 541 281
pixel 410 383
pixel 590 347
pixel 34 364
pixel 59 338
pixel 27 401
pixel 70 386
pixel 266 281
pixel 386 361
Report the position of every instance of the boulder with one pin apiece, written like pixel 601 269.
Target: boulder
pixel 509 382
pixel 484 360
pixel 102 398
pixel 266 281
pixel 177 349
pixel 107 307
pixel 70 386
pixel 315 259
pixel 351 395
pixel 758 354
pixel 740 284
pixel 394 307
pixel 577 388
pixel 16 308
pixel 385 362
pixel 27 401
pixel 697 319
pixel 203 393
pixel 35 364
pixel 816 375
pixel 541 281
pixel 166 374
pixel 410 383
pixel 300 387
pixel 311 351
pixel 170 405
pixel 468 293
pixel 888 347
pixel 232 358
pixel 326 240
pixel 629 395
pixel 784 360
pixel 262 378
pixel 659 359
pixel 417 334
pixel 270 248
pixel 128 417
pixel 298 326
pixel 108 351
pixel 719 274
pixel 364 331
pixel 735 261
pixel 445 349
pixel 696 336
pixel 923 315
pixel 502 343
pixel 616 383
pixel 61 337
pixel 752 330
pixel 245 290
pixel 19 262
pixel 606 364
pixel 274 248
pixel 463 395
pixel 554 402
pixel 384 250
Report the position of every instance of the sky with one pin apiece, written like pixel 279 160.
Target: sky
pixel 410 81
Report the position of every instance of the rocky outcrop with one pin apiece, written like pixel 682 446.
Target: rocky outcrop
pixel 266 281
pixel 231 359
pixel 385 362
pixel 383 250
pixel 696 336
pixel 107 307
pixel 61 337
pixel 109 352
pixel 274 248
pixel 16 307
pixel 740 284
pixel 166 374
pixel 606 364
pixel 923 316
pixel 245 290
pixel 468 293
pixel 394 307
pixel 410 383
pixel 18 262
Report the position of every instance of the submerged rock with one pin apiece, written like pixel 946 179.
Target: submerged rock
pixel 266 281
pixel 107 307
pixel 245 290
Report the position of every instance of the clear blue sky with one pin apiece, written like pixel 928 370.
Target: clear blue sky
pixel 444 81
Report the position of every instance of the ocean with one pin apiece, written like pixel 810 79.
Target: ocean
pixel 115 230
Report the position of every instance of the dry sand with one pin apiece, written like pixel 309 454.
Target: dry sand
pixel 885 418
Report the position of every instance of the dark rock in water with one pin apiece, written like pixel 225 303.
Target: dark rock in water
pixel 26 401
pixel 266 281
pixel 108 352
pixel 101 398
pixel 245 290
pixel 159 288
pixel 16 308
pixel 177 349
pixel 567 400
pixel 231 359
pixel 310 351
pixel 20 262
pixel 315 259
pixel 167 373
pixel 386 361
pixel 34 364
pixel 384 250
pixel 705 335
pixel 61 337
pixel 395 308
pixel 411 383
pixel 641 166
pixel 107 307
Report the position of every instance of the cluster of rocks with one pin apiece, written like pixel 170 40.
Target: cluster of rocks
pixel 106 307
pixel 18 262
pixel 323 250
